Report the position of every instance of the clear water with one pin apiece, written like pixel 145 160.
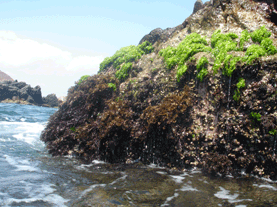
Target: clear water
pixel 30 177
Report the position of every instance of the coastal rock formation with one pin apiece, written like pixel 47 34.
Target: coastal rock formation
pixel 4 76
pixel 160 35
pixel 22 93
pixel 51 100
pixel 204 95
pixel 197 6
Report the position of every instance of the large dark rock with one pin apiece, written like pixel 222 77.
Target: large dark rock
pixel 25 91
pixel 20 91
pixel 152 117
pixel 197 6
pixel 36 94
pixel 160 35
pixel 51 100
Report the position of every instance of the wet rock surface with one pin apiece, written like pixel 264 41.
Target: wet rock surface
pixel 152 118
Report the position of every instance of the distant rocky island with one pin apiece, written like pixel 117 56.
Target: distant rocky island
pixel 4 76
pixel 202 94
pixel 20 92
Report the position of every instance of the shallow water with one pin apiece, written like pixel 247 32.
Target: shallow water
pixel 30 177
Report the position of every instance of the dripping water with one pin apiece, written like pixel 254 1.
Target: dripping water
pixel 228 107
pixel 274 149
pixel 229 92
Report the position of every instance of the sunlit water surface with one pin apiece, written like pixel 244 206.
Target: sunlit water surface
pixel 30 177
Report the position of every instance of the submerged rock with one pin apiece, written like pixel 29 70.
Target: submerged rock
pixel 223 120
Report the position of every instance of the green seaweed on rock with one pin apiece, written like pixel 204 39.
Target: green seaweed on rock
pixel 192 44
pixel 126 55
pixel 83 78
pixel 202 68
pixel 240 84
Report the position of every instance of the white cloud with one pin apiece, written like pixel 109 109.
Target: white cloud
pixel 42 64
pixel 85 63
pixel 19 52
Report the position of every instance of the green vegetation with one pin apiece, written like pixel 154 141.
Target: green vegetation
pixel 112 85
pixel 83 78
pixel 123 58
pixel 256 117
pixel 73 129
pixel 240 84
pixel 191 45
pixel 273 132
pixel 222 44
pixel 244 37
pixel 202 68
pixel 123 73
pixel 260 34
pixel 220 47
pixel 181 71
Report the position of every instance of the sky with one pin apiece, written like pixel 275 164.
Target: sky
pixel 52 43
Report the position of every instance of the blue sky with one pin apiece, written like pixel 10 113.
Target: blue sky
pixel 52 43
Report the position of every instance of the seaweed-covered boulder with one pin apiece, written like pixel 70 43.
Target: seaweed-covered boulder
pixel 205 96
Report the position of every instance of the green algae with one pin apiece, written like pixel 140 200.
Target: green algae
pixel 220 47
pixel 122 60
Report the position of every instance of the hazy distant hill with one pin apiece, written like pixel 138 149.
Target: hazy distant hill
pixel 4 76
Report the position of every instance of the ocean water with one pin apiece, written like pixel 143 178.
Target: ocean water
pixel 30 177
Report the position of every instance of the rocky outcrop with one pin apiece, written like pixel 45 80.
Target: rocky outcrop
pixel 159 35
pixel 22 93
pixel 197 6
pixel 4 76
pixel 224 122
pixel 51 100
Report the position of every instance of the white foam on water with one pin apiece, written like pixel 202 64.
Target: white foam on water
pixel 42 193
pixel 161 172
pixel 177 178
pixel 24 131
pixel 29 132
pixel 188 188
pixel 119 179
pixel 225 194
pixel 22 119
pixel 98 162
pixel 168 199
pixel 266 186
pixel 21 164
pixel 266 179
pixel 90 189
pixel 5 140
pixel 152 165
